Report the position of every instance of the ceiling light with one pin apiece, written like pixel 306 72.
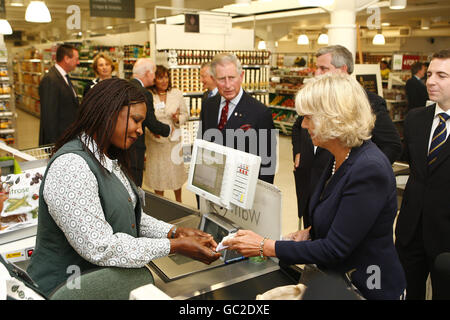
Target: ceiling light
pixel 109 27
pixel 397 4
pixel 302 39
pixel 323 39
pixel 262 45
pixel 424 24
pixel 378 40
pixel 243 2
pixel 16 3
pixel 385 24
pixel 37 11
pixel 5 27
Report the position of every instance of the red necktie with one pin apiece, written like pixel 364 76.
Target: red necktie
pixel 223 116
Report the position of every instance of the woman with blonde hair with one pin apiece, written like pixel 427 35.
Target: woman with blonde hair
pixel 353 208
pixel 103 67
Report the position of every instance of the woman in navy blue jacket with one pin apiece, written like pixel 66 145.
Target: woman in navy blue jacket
pixel 355 203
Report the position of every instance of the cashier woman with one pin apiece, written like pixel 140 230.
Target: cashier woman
pixel 90 211
pixel 354 205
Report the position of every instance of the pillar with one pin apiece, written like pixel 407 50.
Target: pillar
pixel 342 27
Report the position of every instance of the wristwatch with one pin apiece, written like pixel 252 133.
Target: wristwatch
pixel 174 231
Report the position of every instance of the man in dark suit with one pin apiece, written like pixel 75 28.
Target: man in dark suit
pixel 235 119
pixel 59 102
pixel 143 77
pixel 416 91
pixel 423 226
pixel 310 161
pixel 207 81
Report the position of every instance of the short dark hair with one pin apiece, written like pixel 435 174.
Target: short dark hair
pixel 160 72
pixel 416 67
pixel 97 116
pixel 64 50
pixel 443 54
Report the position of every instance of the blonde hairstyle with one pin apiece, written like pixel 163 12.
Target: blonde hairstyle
pixel 107 59
pixel 339 108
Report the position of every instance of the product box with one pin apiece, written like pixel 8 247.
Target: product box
pixel 19 199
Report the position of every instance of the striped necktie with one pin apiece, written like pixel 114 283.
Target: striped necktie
pixel 439 137
pixel 223 116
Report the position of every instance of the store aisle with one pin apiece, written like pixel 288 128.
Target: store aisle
pixel 27 130
pixel 28 137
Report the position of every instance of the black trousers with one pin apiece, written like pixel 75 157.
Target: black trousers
pixel 417 265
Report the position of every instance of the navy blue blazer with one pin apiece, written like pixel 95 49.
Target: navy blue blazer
pixel 352 225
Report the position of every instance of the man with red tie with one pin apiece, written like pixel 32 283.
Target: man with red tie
pixel 235 119
pixel 423 226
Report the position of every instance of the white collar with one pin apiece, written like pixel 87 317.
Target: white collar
pixel 440 110
pixel 108 163
pixel 61 70
pixel 140 81
pixel 235 100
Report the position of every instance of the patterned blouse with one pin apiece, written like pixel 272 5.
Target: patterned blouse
pixel 71 194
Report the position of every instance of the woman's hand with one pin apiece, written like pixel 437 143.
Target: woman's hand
pixel 198 248
pixel 190 232
pixel 176 117
pixel 248 244
pixel 300 235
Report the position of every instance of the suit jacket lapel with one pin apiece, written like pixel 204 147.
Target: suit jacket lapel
pixel 213 111
pixel 423 130
pixel 239 113
pixel 66 85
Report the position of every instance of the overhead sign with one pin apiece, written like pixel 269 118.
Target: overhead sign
pixel 112 8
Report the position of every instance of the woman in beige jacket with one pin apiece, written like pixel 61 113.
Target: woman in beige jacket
pixel 164 164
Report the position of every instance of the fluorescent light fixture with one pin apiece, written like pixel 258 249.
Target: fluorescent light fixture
pixel 16 3
pixel 5 27
pixel 385 24
pixel 109 27
pixel 397 4
pixel 37 11
pixel 323 39
pixel 262 45
pixel 378 40
pixel 276 44
pixel 302 39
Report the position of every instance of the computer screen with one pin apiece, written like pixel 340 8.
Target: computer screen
pixel 208 172
pixel 223 175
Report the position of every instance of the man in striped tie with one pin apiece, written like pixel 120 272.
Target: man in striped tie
pixel 423 226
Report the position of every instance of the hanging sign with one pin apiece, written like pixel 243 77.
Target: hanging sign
pixel 112 8
pixel 409 60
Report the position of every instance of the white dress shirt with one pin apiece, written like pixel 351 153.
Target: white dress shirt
pixel 231 106
pixel 71 193
pixel 436 123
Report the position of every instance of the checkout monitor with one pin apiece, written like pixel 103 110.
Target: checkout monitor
pixel 223 175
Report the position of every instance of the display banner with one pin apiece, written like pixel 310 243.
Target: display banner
pixel 112 8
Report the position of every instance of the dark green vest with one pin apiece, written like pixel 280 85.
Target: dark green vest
pixel 53 254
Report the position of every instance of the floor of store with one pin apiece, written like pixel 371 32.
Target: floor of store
pixel 28 135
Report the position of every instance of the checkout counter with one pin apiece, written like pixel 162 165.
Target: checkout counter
pixel 180 277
